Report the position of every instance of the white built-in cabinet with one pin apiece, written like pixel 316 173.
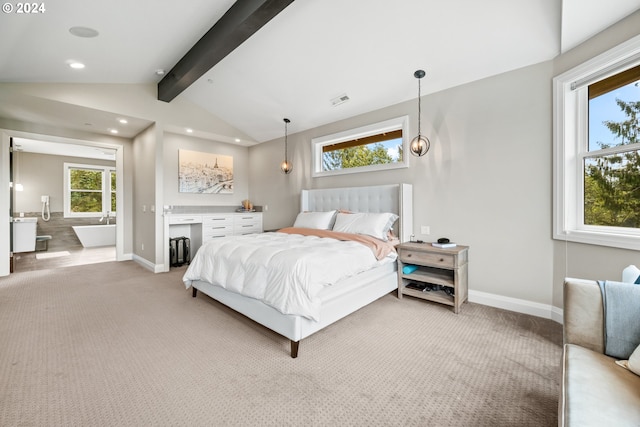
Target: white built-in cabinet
pixel 201 228
pixel 230 224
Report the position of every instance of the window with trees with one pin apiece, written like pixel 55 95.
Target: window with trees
pixel 90 190
pixel 611 163
pixel 375 147
pixel 597 150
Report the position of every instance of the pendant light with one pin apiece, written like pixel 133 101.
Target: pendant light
pixel 420 144
pixel 286 165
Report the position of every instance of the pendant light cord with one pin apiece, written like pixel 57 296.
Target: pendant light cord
pixel 419 110
pixel 286 156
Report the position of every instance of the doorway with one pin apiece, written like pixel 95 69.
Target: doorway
pixel 37 164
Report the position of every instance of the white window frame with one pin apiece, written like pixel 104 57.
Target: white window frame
pixel 361 132
pixel 106 190
pixel 570 145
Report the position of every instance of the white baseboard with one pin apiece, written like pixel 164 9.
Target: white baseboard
pixel 557 314
pixel 518 305
pixel 145 263
pixel 160 268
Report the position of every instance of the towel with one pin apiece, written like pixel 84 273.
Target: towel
pixel 409 268
pixel 621 303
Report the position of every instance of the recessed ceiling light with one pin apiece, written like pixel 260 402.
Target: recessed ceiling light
pixel 160 72
pixel 189 130
pixel 113 131
pixel 85 32
pixel 76 65
pixel 237 140
pixel 123 121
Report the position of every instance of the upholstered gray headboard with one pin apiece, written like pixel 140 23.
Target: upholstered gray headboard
pixel 396 198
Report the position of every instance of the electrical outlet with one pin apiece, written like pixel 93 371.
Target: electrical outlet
pixel 425 229
pixel 265 208
pixel 142 246
pixel 144 208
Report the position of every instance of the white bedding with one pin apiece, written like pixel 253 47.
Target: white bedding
pixel 285 271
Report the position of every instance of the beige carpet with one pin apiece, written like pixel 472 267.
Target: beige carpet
pixel 114 345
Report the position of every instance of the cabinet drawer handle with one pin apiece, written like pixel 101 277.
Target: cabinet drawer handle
pixel 441 259
pixel 408 255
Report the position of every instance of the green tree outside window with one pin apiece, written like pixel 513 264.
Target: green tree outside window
pixel 612 181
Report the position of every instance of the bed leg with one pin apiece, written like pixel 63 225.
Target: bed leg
pixel 194 292
pixel 294 349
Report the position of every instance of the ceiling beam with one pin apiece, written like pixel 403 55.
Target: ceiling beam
pixel 240 22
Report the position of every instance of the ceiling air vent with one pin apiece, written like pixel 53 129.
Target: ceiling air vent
pixel 339 99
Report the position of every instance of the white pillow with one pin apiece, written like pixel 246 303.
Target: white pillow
pixel 372 224
pixel 631 274
pixel 317 220
pixel 633 364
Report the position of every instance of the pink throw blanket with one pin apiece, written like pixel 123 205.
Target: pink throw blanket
pixel 379 248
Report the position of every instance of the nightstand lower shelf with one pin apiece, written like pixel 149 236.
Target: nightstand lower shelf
pixel 435 296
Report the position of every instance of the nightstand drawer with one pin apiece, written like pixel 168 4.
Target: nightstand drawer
pixel 426 258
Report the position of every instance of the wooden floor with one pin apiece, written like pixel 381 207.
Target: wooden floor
pixel 55 258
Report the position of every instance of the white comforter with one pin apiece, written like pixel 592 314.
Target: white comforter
pixel 285 271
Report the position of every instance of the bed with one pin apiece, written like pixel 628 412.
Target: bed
pixel 331 302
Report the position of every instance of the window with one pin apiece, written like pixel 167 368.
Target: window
pixel 370 148
pixel 90 190
pixel 597 150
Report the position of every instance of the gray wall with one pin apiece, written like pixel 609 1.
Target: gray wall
pixel 144 194
pixel 577 259
pixel 43 174
pixel 173 142
pixel 487 181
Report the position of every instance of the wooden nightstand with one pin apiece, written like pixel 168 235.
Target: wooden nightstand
pixel 447 268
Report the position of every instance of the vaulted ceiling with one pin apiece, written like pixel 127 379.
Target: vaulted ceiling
pixel 293 66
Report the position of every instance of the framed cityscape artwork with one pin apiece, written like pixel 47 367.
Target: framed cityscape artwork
pixel 204 173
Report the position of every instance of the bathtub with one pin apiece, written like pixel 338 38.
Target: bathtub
pixel 96 235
